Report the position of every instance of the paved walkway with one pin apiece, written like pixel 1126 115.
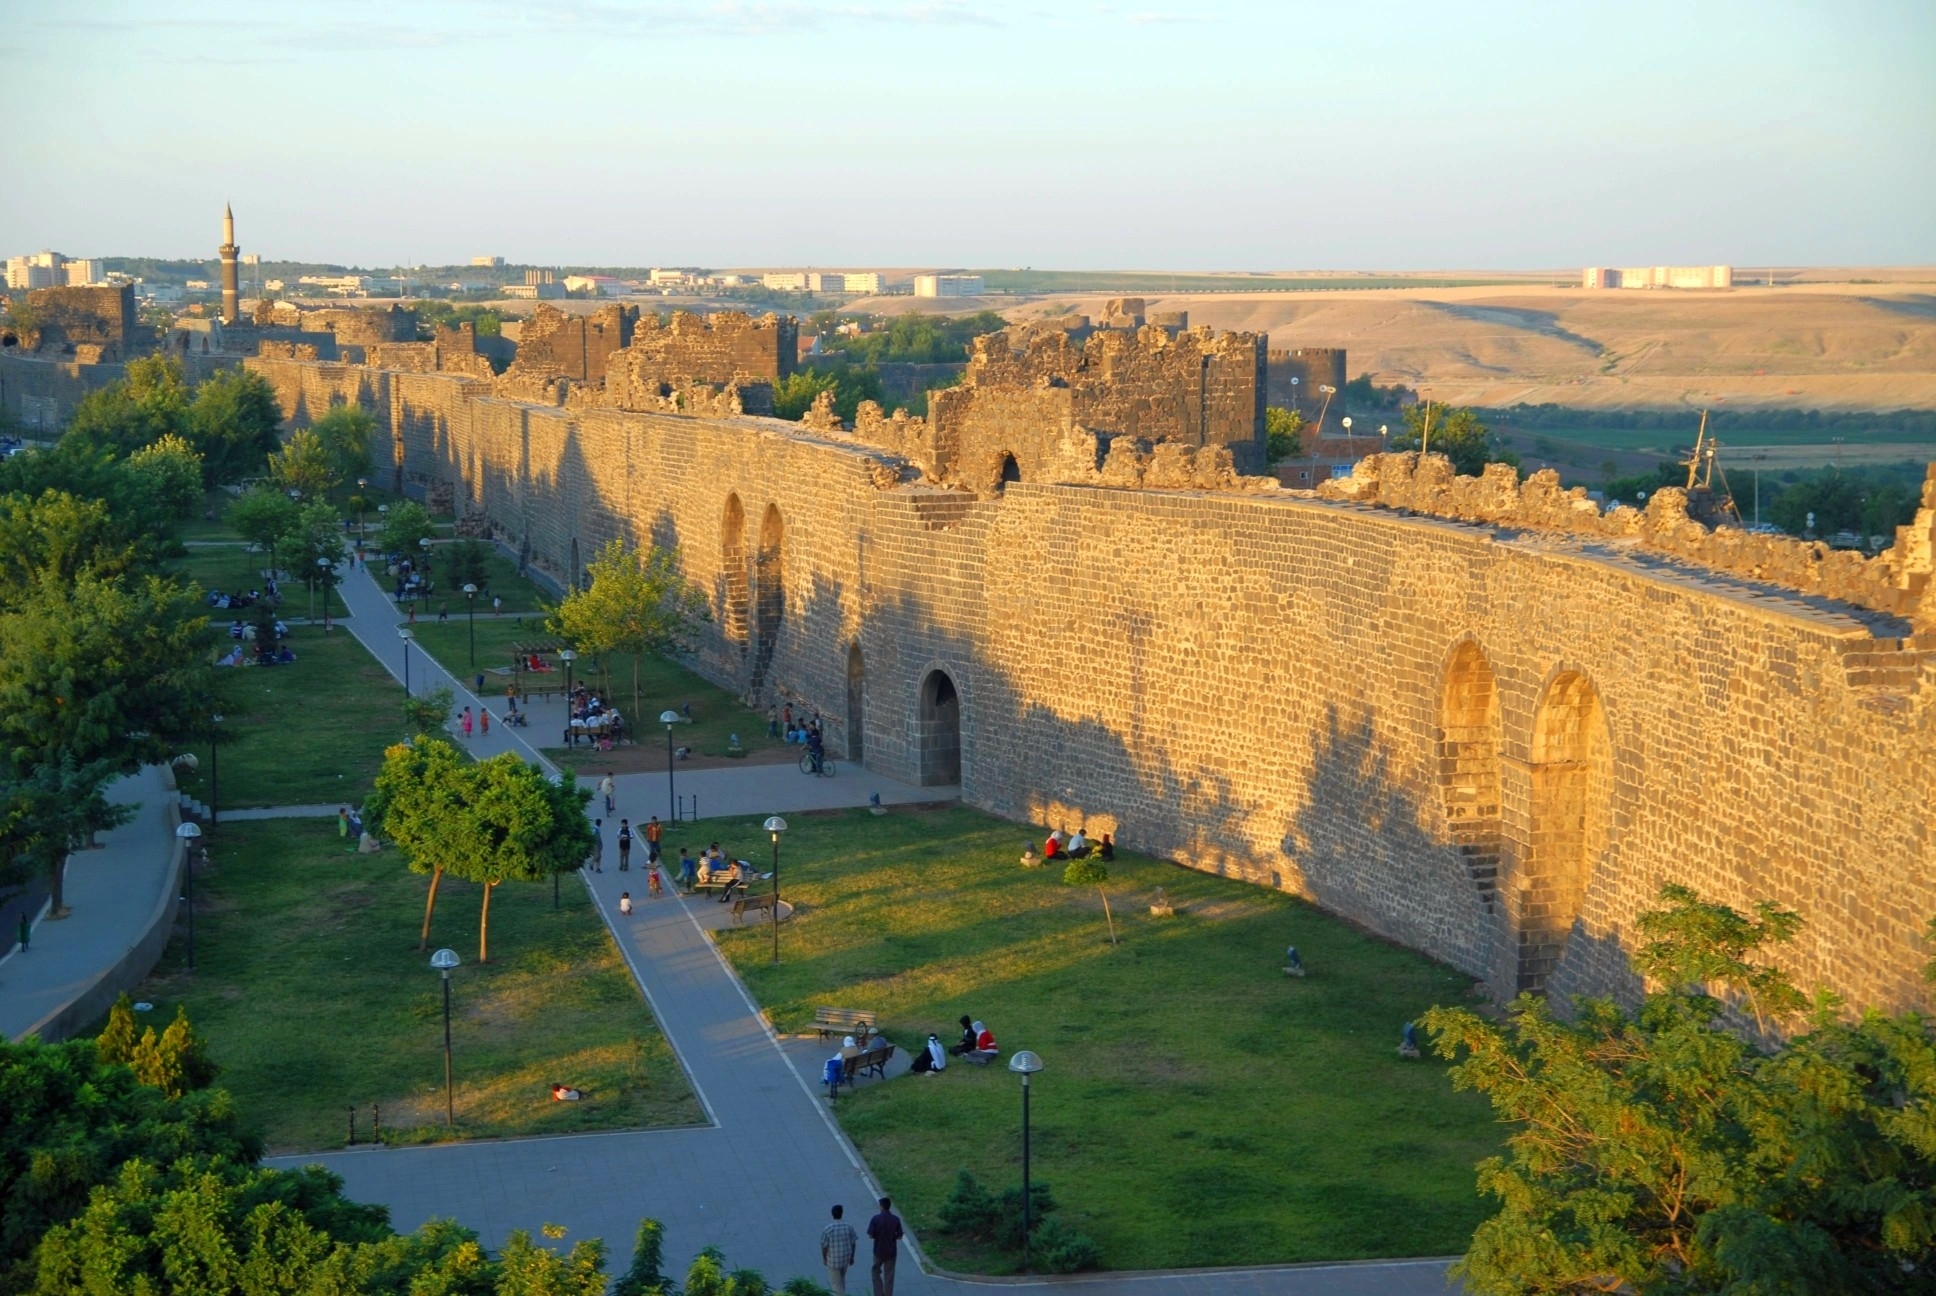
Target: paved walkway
pixel 111 892
pixel 286 812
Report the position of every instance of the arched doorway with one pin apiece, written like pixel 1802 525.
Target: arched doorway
pixel 732 569
pixel 1469 765
pixel 938 730
pixel 769 592
pixel 856 704
pixel 1572 776
pixel 1011 472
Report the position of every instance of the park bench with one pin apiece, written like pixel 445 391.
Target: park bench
pixel 857 1022
pixel 874 1061
pixel 761 903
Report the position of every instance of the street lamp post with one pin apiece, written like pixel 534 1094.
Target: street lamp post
pixel 568 657
pixel 470 592
pixel 776 826
pixel 322 578
pixel 669 718
pixel 214 769
pixel 406 635
pixel 444 960
pixel 189 835
pixel 1025 1064
pixel 362 484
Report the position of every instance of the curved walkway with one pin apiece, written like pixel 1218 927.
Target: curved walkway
pixel 758 1180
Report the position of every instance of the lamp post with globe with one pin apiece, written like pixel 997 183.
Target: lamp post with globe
pixel 669 718
pixel 470 592
pixel 190 836
pixel 776 826
pixel 406 634
pixel 1025 1064
pixel 444 960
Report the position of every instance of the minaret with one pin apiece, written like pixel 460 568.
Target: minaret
pixel 231 283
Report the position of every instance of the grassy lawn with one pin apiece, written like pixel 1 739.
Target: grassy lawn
pixel 1197 1106
pixel 663 683
pixel 314 998
pixel 303 734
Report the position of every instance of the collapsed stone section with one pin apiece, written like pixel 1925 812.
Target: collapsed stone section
pixel 1896 581
pixel 1143 407
pixel 90 325
pixel 725 363
pixel 557 351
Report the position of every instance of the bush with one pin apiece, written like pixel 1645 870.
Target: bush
pixel 971 1211
pixel 1059 1249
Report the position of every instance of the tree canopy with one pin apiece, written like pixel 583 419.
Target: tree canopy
pixel 1666 1150
pixel 345 432
pixel 304 465
pixel 1455 433
pixel 404 525
pixel 636 603
pixel 233 425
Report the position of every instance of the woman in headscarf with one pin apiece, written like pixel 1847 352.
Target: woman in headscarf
pixel 931 1059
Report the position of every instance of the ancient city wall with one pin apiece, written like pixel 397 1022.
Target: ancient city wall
pixel 1491 743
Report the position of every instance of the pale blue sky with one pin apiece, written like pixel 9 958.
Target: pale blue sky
pixel 1163 134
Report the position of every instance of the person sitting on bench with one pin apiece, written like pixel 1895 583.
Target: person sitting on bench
pixel 742 878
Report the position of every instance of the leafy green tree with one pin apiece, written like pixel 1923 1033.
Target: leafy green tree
pixel 233 425
pixel 1091 871
pixel 527 1269
pixel 637 603
pixel 304 465
pixel 467 562
pixel 416 798
pixel 54 808
pixel 1455 433
pixel 345 432
pixel 102 670
pixel 116 1043
pixel 519 826
pixel 426 712
pixel 51 540
pixel 1659 1151
pixel 1283 432
pixel 172 471
pixel 150 403
pixel 404 526
pixel 263 515
pixel 314 544
pixel 644 1277
pixel 136 520
pixel 794 394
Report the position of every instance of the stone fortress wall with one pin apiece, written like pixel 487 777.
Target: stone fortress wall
pixel 1490 736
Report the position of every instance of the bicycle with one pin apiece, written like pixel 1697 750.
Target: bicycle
pixel 824 766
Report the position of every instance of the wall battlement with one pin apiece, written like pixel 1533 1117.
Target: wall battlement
pixel 1490 741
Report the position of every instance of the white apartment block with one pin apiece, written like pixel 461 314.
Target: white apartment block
pixel 786 281
pixel 1719 276
pixel 929 285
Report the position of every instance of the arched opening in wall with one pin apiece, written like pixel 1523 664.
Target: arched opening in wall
pixel 938 730
pixel 856 704
pixel 1011 472
pixel 769 590
pixel 1572 776
pixel 732 567
pixel 1469 766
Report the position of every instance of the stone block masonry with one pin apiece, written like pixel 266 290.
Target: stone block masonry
pixel 1490 741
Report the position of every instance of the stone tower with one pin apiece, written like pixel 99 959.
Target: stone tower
pixel 231 280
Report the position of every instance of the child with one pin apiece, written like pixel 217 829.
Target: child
pixel 653 885
pixel 625 903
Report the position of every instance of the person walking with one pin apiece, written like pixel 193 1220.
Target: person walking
pixel 624 845
pixel 466 723
pixel 605 788
pixel 654 832
pixel 484 722
pixel 598 845
pixel 885 1228
pixel 837 1246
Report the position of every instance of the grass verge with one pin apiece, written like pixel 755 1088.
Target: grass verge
pixel 303 734
pixel 1197 1106
pixel 314 998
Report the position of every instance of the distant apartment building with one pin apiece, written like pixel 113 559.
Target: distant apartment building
pixel 535 277
pixel 81 272
pixel 786 281
pixel 488 262
pixel 660 278
pixel 865 282
pixel 334 285
pixel 544 291
pixel 40 270
pixel 1718 276
pixel 939 285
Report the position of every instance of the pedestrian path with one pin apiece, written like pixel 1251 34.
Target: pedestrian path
pixel 284 812
pixel 758 1179
pixel 113 894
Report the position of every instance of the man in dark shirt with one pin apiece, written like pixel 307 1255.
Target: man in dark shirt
pixel 885 1228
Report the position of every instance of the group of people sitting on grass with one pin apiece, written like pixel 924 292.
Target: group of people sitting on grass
pixel 238 600
pixel 1060 846
pixel 977 1045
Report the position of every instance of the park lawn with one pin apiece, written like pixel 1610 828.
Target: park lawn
pixel 310 733
pixel 1197 1107
pixel 663 684
pixel 314 998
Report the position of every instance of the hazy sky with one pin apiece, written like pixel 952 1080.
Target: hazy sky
pixel 1172 134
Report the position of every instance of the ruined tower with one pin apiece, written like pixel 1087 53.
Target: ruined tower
pixel 231 280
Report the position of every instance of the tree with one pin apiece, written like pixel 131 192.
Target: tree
pixel 150 403
pixel 176 1061
pixel 468 562
pixel 793 395
pixel 263 516
pixel 52 540
pixel 644 1277
pixel 303 465
pixel 426 712
pixel 1091 871
pixel 233 425
pixel 345 433
pixel 519 827
pixel 54 809
pixel 416 798
pixel 116 1042
pixel 403 526
pixel 1283 432
pixel 172 471
pixel 1455 433
pixel 102 669
pixel 636 604
pixel 314 544
pixel 527 1269
pixel 1659 1151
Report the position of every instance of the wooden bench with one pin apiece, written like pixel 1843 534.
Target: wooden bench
pixel 761 903
pixel 874 1061
pixel 844 1021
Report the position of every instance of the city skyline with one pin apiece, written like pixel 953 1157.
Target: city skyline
pixel 978 135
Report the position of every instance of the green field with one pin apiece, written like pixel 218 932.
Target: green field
pixel 303 734
pixel 315 999
pixel 1197 1108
